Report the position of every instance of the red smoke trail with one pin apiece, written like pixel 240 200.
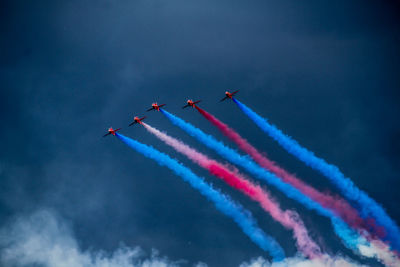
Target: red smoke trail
pixel 288 219
pixel 334 203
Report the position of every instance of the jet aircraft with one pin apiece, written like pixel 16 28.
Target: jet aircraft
pixel 155 106
pixel 111 131
pixel 137 120
pixel 191 103
pixel 228 95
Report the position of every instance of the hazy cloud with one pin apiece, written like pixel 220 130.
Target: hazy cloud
pixel 44 239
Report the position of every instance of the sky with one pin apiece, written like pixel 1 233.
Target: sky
pixel 325 72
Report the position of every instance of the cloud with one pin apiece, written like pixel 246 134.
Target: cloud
pixel 44 239
pixel 301 262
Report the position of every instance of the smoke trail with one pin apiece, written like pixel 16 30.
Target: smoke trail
pixel 368 206
pixel 350 238
pixel 336 204
pixel 288 219
pixel 372 249
pixel 223 203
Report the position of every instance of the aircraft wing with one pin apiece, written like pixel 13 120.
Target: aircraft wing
pixel 150 109
pixel 197 101
pixel 235 92
pixel 186 106
pixel 106 134
pixel 223 99
pixel 161 105
pixel 132 123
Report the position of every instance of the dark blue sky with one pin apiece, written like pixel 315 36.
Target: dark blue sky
pixel 325 72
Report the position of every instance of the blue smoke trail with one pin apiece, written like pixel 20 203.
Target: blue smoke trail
pixel 367 206
pixel 223 203
pixel 340 227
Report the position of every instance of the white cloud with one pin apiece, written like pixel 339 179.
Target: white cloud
pixel 44 240
pixel 301 262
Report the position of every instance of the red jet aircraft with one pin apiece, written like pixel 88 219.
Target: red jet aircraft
pixel 155 106
pixel 190 103
pixel 111 131
pixel 137 120
pixel 228 95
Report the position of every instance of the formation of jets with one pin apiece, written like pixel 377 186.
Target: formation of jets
pixel 155 106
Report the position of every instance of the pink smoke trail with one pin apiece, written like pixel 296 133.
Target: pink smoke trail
pixel 288 219
pixel 338 205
